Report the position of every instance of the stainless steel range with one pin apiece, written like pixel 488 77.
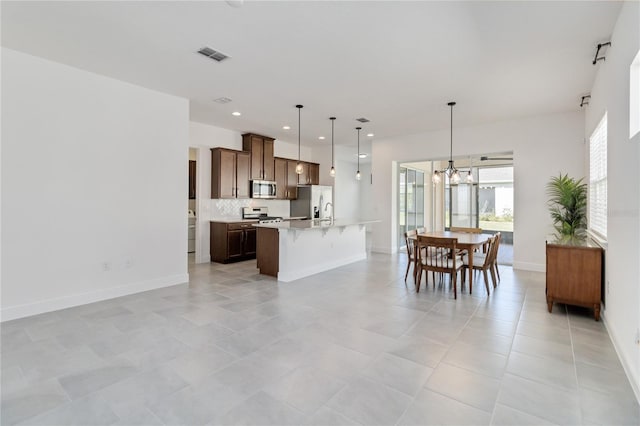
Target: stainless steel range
pixel 260 213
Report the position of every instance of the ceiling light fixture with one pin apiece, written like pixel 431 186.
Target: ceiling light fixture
pixel 362 155
pixel 286 127
pixel 358 172
pixel 451 172
pixel 321 138
pixel 299 165
pixel 332 172
pixel 370 135
pixel 236 113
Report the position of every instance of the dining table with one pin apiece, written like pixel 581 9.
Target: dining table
pixel 466 241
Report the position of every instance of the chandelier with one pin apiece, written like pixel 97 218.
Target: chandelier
pixel 451 172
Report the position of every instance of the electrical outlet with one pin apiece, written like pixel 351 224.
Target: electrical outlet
pixel 106 266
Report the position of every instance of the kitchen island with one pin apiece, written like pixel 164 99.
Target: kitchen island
pixel 299 248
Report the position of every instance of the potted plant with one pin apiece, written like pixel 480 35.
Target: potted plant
pixel 574 265
pixel 568 206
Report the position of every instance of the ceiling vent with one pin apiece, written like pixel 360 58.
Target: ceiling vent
pixel 222 100
pixel 213 54
pixel 363 120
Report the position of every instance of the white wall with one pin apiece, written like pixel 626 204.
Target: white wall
pixel 610 93
pixel 542 146
pixel 93 187
pixel 203 137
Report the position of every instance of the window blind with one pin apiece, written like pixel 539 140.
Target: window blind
pixel 598 179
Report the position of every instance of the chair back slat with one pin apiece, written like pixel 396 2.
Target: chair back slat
pixel 409 241
pixel 435 253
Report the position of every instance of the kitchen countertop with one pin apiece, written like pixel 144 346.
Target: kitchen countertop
pixel 233 220
pixel 238 220
pixel 305 225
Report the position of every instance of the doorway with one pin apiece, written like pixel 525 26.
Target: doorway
pixel 192 203
pixel 486 202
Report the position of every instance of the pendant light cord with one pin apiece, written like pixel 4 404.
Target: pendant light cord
pixel 451 133
pixel 333 120
pixel 299 109
pixel 358 129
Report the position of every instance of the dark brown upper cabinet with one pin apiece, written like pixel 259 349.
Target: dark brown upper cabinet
pixel 192 180
pixel 229 173
pixel 261 149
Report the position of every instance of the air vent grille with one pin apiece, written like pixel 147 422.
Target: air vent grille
pixel 213 54
pixel 363 120
pixel 222 100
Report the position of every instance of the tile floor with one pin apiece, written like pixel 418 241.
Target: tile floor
pixel 355 345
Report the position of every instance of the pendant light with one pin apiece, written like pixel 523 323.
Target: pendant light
pixel 332 172
pixel 358 172
pixel 451 172
pixel 299 165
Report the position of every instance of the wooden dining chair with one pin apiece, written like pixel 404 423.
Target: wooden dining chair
pixel 410 250
pixel 482 263
pixel 421 230
pixel 434 255
pixel 495 257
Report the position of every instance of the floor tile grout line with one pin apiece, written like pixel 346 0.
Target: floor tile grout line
pixel 506 365
pixel 575 367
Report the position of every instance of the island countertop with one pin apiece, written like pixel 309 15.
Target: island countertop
pixel 305 225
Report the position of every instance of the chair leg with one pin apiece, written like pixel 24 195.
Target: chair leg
pixel 493 276
pixel 433 275
pixel 497 270
pixel 486 280
pixel 418 280
pixel 406 274
pixel 455 290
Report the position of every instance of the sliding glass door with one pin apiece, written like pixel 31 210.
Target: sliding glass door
pixel 461 203
pixel 411 201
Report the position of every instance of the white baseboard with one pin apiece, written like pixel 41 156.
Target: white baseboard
pixel 384 250
pixel 315 269
pixel 633 381
pixel 42 306
pixel 527 266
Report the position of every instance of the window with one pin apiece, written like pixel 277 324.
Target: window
pixel 598 179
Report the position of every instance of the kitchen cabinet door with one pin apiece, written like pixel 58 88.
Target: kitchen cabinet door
pixel 292 180
pixel 256 147
pixel 314 174
pixel 280 174
pixel 250 242
pixel 303 178
pixel 235 241
pixel 267 159
pixel 223 173
pixel 243 161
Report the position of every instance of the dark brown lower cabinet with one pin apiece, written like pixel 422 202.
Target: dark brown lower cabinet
pixel 574 274
pixel 232 241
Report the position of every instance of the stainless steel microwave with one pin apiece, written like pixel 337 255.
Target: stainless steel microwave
pixel 263 189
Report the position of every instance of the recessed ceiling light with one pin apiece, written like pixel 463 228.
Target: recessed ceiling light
pixel 286 127
pixel 321 138
pixel 362 155
pixel 222 100
pixel 236 113
pixel 370 135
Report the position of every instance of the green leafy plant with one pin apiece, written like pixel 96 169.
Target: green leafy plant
pixel 568 206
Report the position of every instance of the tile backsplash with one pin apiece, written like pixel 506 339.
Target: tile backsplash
pixel 211 209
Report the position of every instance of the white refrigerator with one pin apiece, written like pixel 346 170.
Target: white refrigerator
pixel 314 202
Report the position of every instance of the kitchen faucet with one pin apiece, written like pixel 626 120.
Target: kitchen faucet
pixel 325 209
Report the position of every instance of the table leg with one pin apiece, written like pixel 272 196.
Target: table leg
pixel 415 263
pixel 470 254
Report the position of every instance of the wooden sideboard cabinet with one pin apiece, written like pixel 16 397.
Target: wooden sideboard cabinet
pixel 574 274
